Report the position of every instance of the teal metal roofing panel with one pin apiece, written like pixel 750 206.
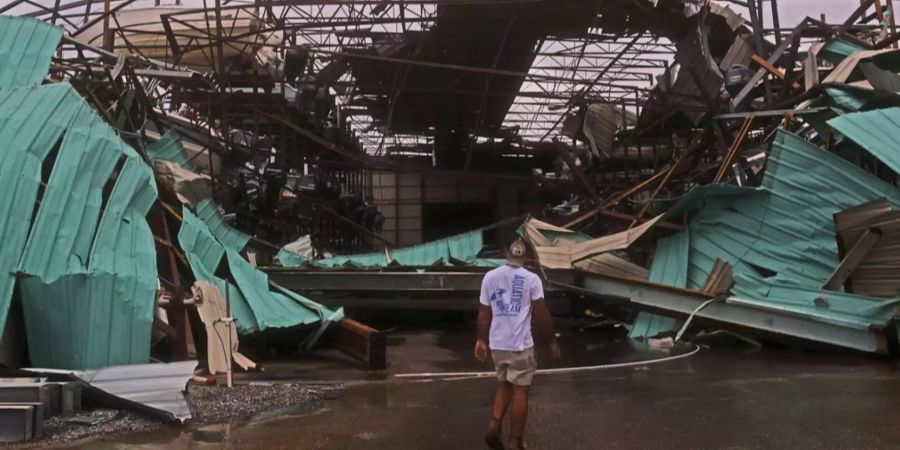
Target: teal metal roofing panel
pixel 208 211
pixel 670 266
pixel 461 248
pixel 89 262
pixel 26 46
pixel 849 100
pixel 489 262
pixel 465 247
pixel 170 148
pixel 877 131
pixel 426 254
pixel 290 259
pixel 781 245
pixel 254 305
pixel 837 49
pixel 63 231
pixel 205 253
pixel 271 309
pixel 31 122
pixel 206 238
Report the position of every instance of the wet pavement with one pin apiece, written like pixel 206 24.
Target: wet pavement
pixel 728 396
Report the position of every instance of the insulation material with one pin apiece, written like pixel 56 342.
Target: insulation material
pixel 297 253
pixel 562 257
pixel 610 264
pixel 212 307
pixel 190 188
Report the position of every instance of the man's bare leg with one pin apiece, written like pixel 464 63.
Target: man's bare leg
pixel 501 403
pixel 519 415
pixel 502 398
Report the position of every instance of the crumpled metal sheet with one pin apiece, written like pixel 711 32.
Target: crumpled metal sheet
pixel 88 267
pixel 781 244
pixel 254 305
pixel 876 131
pixel 670 266
pixel 31 122
pixel 155 389
pixel 26 46
pixel 458 249
pixel 169 147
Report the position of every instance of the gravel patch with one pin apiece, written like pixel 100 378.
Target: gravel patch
pixel 209 404
pixel 220 404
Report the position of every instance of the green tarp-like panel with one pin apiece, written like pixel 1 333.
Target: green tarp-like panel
pixel 670 266
pixel 170 148
pixel 26 46
pixel 782 244
pixel 31 123
pixel 877 131
pixel 89 264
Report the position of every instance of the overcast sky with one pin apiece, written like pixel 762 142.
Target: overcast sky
pixel 792 12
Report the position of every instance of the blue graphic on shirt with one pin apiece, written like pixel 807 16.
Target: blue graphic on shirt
pixel 513 306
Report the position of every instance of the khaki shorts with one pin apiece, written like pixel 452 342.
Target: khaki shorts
pixel 515 367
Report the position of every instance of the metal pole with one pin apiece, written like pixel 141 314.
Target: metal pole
pixel 756 21
pixel 106 37
pixel 776 22
pixel 229 323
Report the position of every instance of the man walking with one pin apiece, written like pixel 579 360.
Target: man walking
pixel 509 295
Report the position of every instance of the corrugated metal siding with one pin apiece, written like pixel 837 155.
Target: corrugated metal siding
pixel 878 274
pixel 837 49
pixel 205 255
pixel 877 131
pixel 169 147
pixel 155 389
pixel 789 231
pixel 31 121
pixel 90 282
pixel 26 46
pixel 741 52
pixel 461 248
pixel 208 211
pixel 670 266
pixel 254 305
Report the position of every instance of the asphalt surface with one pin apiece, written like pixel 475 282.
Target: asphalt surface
pixel 725 397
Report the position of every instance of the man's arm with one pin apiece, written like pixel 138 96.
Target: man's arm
pixel 483 327
pixel 545 322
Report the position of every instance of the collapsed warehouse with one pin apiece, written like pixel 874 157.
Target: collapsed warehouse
pixel 176 173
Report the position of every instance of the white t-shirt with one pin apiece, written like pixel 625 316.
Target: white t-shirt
pixel 509 291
